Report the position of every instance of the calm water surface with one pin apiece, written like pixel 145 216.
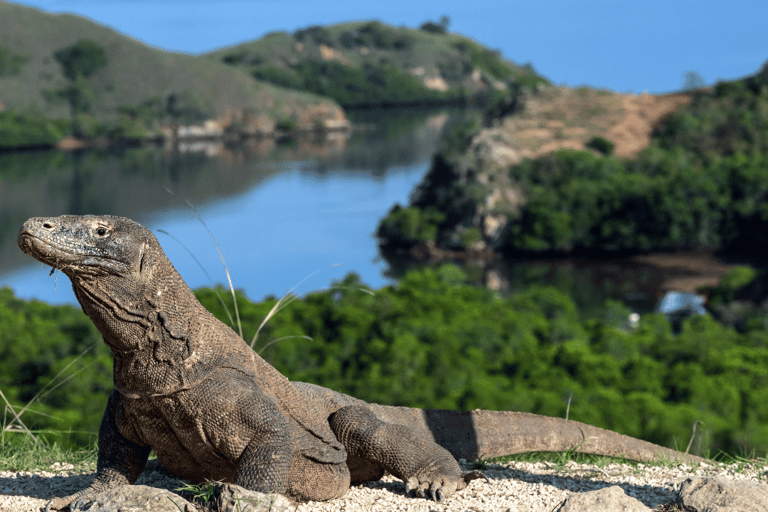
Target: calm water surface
pixel 287 216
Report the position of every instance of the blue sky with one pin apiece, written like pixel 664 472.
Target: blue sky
pixel 627 46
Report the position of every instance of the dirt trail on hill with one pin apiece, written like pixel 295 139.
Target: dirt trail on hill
pixel 641 115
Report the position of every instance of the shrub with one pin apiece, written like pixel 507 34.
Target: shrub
pixel 10 64
pixel 601 144
pixel 316 33
pixel 432 27
pixel 286 124
pixel 19 130
pixel 405 227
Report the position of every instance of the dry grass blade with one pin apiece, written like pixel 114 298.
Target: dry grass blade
pixel 45 390
pixel 16 419
pixel 283 338
pixel 213 286
pixel 290 297
pixel 284 301
pixel 693 435
pixel 221 257
pixel 354 289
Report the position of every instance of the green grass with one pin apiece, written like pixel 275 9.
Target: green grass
pixel 559 461
pixel 19 452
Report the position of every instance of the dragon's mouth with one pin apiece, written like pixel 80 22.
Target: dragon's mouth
pixel 56 256
pixel 66 260
pixel 42 250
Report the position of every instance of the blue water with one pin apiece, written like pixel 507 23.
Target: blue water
pixel 298 230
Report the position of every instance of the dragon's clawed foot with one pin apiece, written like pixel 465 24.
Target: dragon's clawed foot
pixel 422 489
pixel 439 489
pixel 56 504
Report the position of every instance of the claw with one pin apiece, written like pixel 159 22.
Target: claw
pixel 409 490
pixel 436 494
pixel 474 475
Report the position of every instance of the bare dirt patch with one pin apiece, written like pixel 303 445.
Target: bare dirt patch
pixel 560 117
pixel 641 115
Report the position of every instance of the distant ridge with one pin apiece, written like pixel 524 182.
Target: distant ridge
pixel 136 76
pixel 370 63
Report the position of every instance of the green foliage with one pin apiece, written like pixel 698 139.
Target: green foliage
pixel 53 356
pixel 489 61
pixel 20 130
pixel 432 27
pixel 10 64
pixel 370 84
pixel 470 236
pixel 376 64
pixel 736 279
pixel 78 62
pixel 316 33
pixel 664 200
pixel 79 95
pixel 458 139
pixel 601 144
pixel 409 226
pixel 434 341
pixel 201 494
pixel 437 201
pixel 287 124
pixel 378 35
pixel 81 59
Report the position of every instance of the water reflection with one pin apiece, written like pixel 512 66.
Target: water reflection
pixel 639 282
pixel 269 203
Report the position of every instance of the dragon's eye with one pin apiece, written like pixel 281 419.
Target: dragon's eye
pixel 101 231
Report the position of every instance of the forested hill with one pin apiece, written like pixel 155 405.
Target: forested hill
pixel 68 67
pixel 699 182
pixel 371 63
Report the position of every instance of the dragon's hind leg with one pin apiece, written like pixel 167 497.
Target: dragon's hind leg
pixel 374 446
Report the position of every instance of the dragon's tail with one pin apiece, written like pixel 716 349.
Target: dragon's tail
pixel 486 434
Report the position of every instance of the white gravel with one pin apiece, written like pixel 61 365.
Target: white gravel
pixel 514 487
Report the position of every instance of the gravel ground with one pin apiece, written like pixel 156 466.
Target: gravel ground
pixel 514 487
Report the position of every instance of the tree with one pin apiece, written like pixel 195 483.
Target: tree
pixel 444 22
pixel 78 62
pixel 692 81
pixel 81 59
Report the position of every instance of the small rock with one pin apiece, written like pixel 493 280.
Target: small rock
pixel 720 494
pixel 133 498
pixel 233 498
pixel 607 499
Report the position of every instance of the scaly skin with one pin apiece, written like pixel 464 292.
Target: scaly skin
pixel 187 387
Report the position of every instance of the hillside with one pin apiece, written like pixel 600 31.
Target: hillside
pixel 579 171
pixel 371 63
pixel 135 86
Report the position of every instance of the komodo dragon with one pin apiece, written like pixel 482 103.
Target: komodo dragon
pixel 187 387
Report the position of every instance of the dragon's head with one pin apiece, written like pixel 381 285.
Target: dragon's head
pixel 87 245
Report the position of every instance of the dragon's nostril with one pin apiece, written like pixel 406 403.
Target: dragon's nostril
pixel 48 225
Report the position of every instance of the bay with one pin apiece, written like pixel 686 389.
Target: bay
pixel 295 215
